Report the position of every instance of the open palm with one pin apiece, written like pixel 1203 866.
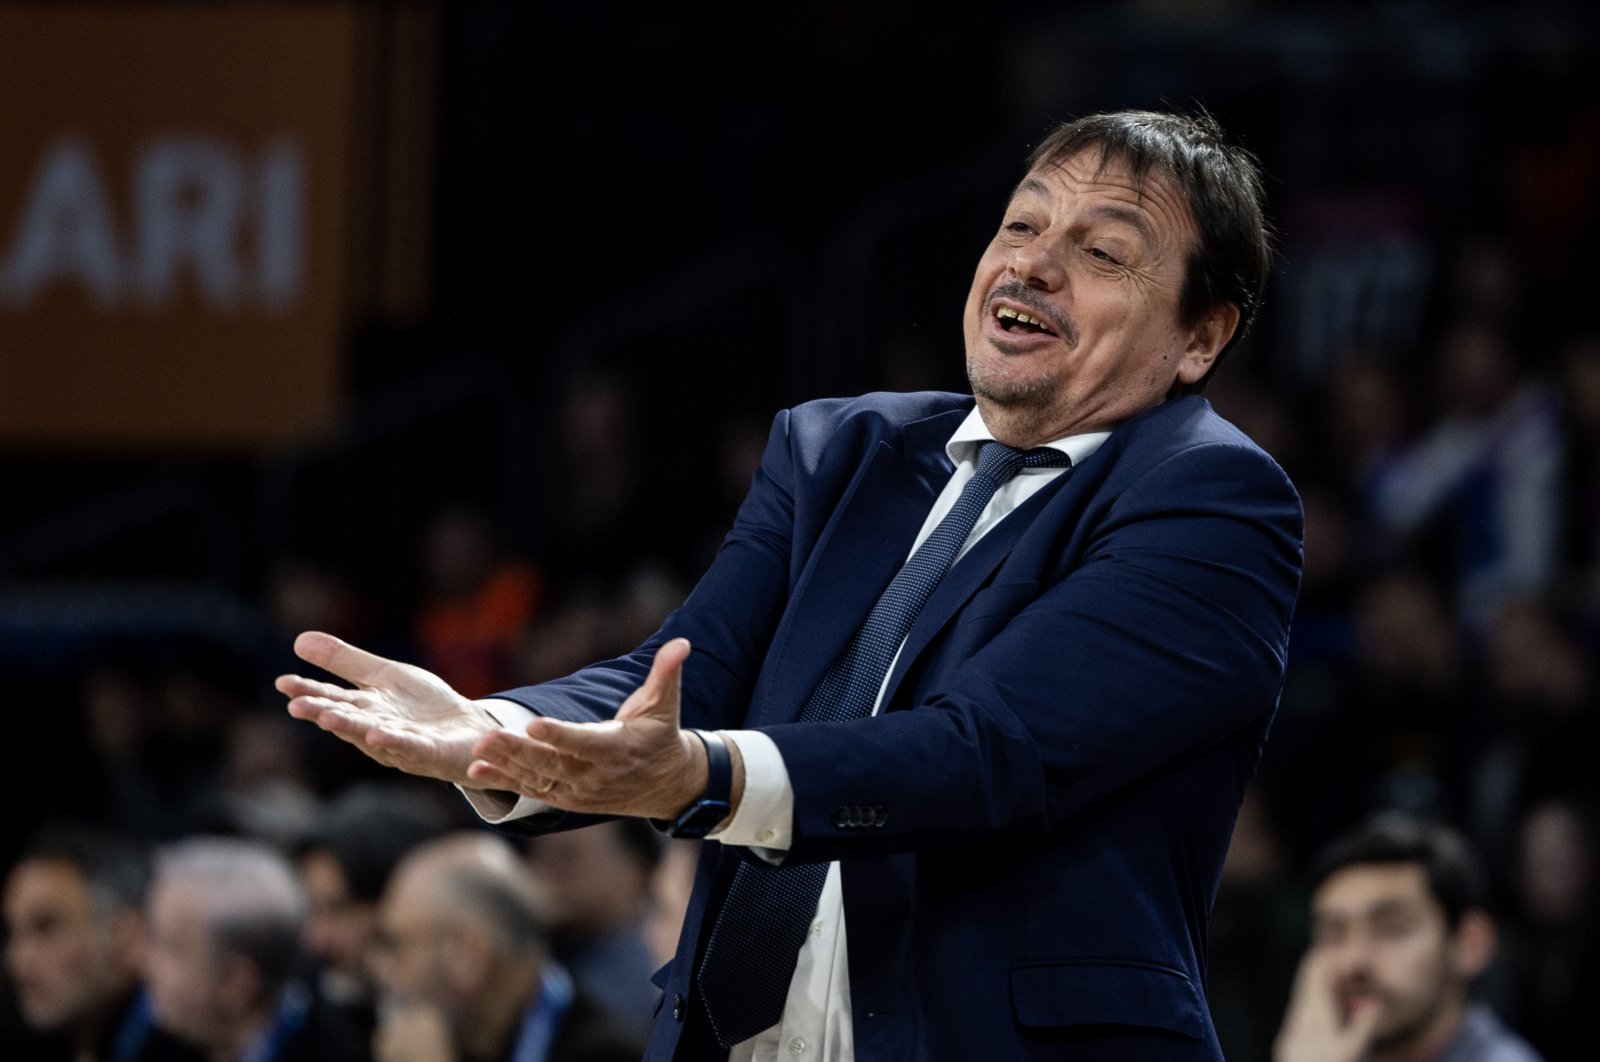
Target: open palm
pixel 399 714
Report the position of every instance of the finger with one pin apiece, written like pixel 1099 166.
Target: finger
pixel 340 657
pixel 333 716
pixel 492 777
pixel 524 760
pixel 299 686
pixel 589 742
pixel 658 694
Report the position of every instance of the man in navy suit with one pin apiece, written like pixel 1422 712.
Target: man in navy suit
pixel 1071 646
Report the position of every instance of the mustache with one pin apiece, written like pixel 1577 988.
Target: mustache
pixel 1019 292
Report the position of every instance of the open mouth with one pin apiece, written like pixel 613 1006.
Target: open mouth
pixel 1020 323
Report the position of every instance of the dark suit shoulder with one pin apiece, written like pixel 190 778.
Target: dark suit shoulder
pixel 876 413
pixel 1182 430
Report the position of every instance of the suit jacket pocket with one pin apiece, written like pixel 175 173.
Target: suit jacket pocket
pixel 1107 992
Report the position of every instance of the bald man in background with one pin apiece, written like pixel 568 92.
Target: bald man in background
pixel 463 963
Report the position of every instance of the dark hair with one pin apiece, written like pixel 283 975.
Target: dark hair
pixel 1454 875
pixel 1220 182
pixel 116 869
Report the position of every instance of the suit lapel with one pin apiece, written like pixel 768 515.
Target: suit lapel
pixel 857 554
pixel 967 576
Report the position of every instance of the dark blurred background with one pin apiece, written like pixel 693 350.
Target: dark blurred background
pixel 456 329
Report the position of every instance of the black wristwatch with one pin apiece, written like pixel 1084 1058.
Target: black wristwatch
pixel 701 817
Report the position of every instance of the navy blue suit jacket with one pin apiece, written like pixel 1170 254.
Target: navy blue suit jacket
pixel 1032 830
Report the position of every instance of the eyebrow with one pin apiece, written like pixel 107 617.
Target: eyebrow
pixel 1127 214
pixel 1108 211
pixel 1378 909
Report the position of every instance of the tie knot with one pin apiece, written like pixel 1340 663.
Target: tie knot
pixel 998 461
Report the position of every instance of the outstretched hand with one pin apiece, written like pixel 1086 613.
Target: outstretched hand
pixel 638 763
pixel 400 715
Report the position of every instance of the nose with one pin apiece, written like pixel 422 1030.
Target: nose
pixel 1038 265
pixel 1350 956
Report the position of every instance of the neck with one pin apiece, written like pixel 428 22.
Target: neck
pixel 1021 426
pixel 498 1008
pixel 1430 1039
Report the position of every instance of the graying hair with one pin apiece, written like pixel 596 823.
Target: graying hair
pixel 251 901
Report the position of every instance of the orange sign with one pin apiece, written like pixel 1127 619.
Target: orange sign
pixel 173 190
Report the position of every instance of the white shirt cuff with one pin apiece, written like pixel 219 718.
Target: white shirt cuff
pixel 764 821
pixel 496 806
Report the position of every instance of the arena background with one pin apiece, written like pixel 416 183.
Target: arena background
pixel 456 329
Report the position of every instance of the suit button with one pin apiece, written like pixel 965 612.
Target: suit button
pixel 841 817
pixel 677 1006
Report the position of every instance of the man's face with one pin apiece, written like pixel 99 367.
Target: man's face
pixel 182 971
pixel 1099 264
pixel 1386 943
pixel 339 927
pixel 62 951
pixel 407 953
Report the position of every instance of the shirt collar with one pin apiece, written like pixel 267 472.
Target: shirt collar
pixel 963 445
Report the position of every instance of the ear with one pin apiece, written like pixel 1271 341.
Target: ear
pixel 1206 340
pixel 1473 944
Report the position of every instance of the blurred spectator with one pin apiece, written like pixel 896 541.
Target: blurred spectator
pixel 1553 950
pixel 1398 936
pixel 599 885
pixel 568 636
pixel 1580 380
pixel 226 918
pixel 465 969
pixel 265 792
pixel 344 865
pixel 1542 734
pixel 1383 730
pixel 476 602
pixel 1486 476
pixel 299 595
pixel 647 596
pixel 599 508
pixel 1363 419
pixel 119 724
pixel 75 936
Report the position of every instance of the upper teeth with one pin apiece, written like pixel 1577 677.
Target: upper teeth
pixel 1006 311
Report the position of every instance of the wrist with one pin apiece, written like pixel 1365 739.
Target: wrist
pixel 712 802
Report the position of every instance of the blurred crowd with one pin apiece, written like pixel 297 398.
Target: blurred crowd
pixel 1443 664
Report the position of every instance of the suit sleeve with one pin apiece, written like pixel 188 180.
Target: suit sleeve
pixel 728 619
pixel 1168 637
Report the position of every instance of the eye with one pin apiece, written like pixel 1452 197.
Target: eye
pixel 1019 228
pixel 1103 255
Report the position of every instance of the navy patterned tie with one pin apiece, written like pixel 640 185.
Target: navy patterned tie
pixel 750 955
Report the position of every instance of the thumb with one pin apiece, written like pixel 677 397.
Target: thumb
pixel 658 694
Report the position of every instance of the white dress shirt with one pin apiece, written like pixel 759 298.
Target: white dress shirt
pixel 816 1016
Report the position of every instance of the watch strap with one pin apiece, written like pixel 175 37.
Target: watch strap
pixel 714 804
